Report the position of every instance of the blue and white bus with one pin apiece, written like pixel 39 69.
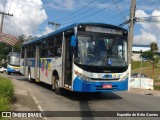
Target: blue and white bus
pixel 13 64
pixel 83 57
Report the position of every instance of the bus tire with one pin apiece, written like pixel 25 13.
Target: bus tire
pixel 57 88
pixel 29 77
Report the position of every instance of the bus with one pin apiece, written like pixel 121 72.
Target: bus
pixel 82 57
pixel 13 62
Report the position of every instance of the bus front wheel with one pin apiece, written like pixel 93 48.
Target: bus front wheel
pixel 57 88
pixel 29 77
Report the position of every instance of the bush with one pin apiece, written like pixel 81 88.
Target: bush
pixel 6 94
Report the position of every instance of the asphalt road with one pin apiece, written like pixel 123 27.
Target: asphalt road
pixel 118 101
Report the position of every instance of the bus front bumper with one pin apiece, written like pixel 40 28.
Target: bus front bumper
pixel 80 85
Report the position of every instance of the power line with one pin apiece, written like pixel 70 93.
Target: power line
pixel 84 11
pixel 91 14
pixel 9 6
pixel 3 13
pixel 15 7
pixel 119 10
pixel 76 11
pixel 141 19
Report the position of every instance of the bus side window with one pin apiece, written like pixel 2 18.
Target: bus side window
pixel 44 48
pixel 58 45
pixel 50 47
pixel 22 52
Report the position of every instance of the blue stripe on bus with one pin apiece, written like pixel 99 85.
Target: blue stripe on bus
pixel 85 86
pixel 11 70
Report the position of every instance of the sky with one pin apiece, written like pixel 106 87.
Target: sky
pixel 31 17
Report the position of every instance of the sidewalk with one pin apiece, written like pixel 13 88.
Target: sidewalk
pixel 23 101
pixel 144 91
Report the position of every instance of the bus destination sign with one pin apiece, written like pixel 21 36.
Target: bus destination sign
pixel 103 30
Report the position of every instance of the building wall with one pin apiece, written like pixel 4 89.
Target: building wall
pixel 136 56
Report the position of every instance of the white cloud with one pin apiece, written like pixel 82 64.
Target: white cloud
pixel 150 29
pixel 61 4
pixel 26 17
pixel 145 38
pixel 45 32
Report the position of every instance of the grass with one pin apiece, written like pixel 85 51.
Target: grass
pixel 137 64
pixel 147 69
pixel 6 94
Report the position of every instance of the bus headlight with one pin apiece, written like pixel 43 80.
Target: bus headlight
pixel 124 77
pixel 81 76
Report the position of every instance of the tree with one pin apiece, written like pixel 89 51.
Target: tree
pixel 154 47
pixel 148 55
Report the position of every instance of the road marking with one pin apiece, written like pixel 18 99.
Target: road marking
pixel 36 101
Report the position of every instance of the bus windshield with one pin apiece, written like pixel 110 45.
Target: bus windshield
pixel 101 51
pixel 14 59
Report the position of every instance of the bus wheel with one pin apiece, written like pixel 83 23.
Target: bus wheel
pixel 29 77
pixel 57 89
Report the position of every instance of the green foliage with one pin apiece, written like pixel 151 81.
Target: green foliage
pixel 154 47
pixel 6 93
pixel 148 54
pixel 156 87
pixel 5 49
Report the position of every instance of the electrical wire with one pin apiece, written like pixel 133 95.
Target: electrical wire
pixel 76 11
pixel 9 6
pixel 15 7
pixel 119 10
pixel 91 14
pixel 84 12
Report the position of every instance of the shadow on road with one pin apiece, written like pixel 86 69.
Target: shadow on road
pixel 77 96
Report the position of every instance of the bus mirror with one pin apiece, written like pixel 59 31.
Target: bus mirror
pixel 73 41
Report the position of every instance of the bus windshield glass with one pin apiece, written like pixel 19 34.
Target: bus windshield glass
pixel 101 51
pixel 14 59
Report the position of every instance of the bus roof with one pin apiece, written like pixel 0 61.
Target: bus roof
pixel 69 27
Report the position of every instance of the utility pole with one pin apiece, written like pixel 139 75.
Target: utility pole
pixel 131 30
pixel 54 23
pixel 130 35
pixel 3 13
pixel 1 28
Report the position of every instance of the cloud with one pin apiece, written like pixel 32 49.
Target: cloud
pixel 27 16
pixel 145 38
pixel 150 28
pixel 45 32
pixel 61 4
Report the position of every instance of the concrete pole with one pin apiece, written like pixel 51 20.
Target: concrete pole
pixel 130 36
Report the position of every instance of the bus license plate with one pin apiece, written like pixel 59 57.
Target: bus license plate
pixel 107 86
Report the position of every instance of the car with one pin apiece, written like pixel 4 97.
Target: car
pixel 138 75
pixel 3 70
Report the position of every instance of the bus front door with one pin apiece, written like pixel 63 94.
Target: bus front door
pixel 68 63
